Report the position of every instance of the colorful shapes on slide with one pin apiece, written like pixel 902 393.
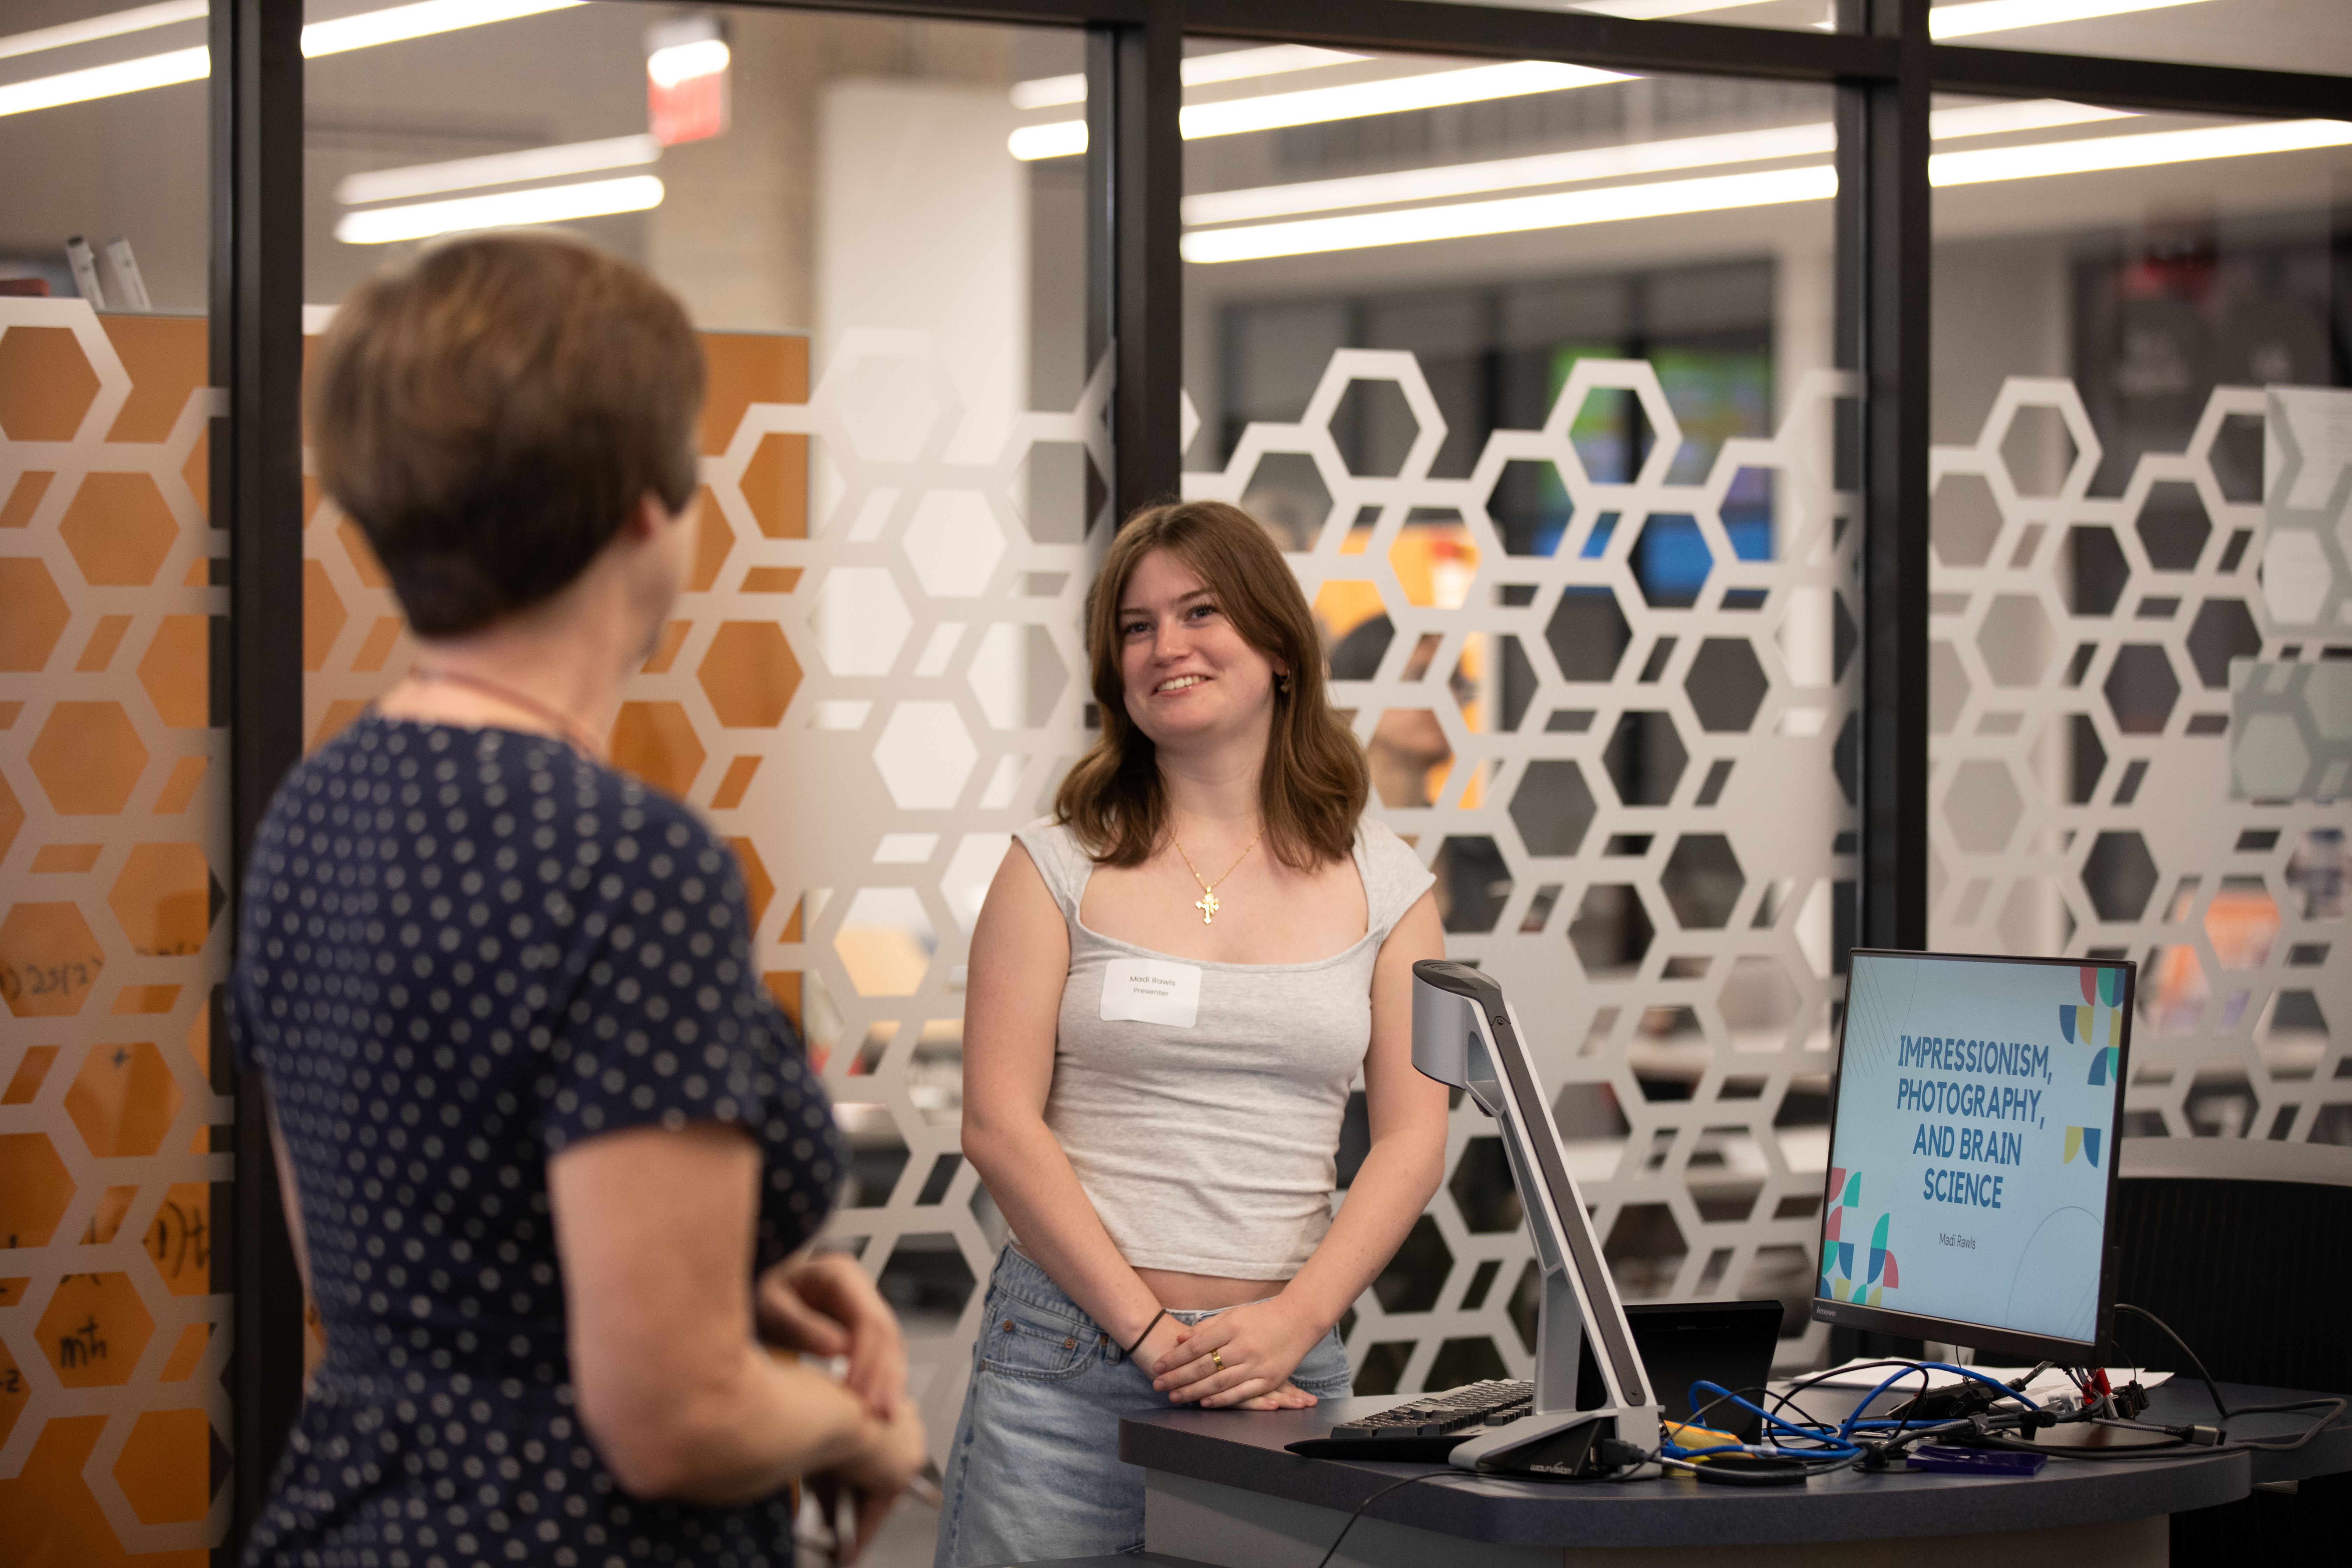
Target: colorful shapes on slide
pixel 2111 987
pixel 2091 1143
pixel 1840 1281
pixel 1894 1281
pixel 2082 1140
pixel 2097 1029
pixel 2090 984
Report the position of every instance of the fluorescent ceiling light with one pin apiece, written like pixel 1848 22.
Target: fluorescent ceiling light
pixel 1318 105
pixel 1235 65
pixel 1956 21
pixel 1232 65
pixel 1062 139
pixel 1505 174
pixel 369 28
pixel 111 26
pixel 106 81
pixel 1049 91
pixel 1511 214
pixel 1609 163
pixel 684 62
pixel 1392 95
pixel 510 209
pixel 1656 10
pixel 420 20
pixel 2090 155
pixel 2016 114
pixel 1662 198
pixel 1965 21
pixel 496 169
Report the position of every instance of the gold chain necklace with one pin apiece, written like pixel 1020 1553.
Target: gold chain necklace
pixel 569 730
pixel 1207 903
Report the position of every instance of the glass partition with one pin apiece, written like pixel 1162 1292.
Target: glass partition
pixel 876 674
pixel 114 1424
pixel 2141 326
pixel 1530 374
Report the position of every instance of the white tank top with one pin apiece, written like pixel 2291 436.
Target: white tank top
pixel 1209 1145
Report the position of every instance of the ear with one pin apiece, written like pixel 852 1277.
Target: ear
pixel 650 519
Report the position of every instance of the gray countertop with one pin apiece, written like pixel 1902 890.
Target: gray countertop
pixel 1245 1449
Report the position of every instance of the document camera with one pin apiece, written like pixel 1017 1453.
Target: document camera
pixel 1466 1036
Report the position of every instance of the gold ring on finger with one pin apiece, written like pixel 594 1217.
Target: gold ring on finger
pixel 1217 1360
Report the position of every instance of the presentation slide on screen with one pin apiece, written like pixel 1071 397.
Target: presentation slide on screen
pixel 1975 1117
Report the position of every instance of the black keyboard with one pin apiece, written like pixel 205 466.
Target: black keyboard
pixel 1490 1404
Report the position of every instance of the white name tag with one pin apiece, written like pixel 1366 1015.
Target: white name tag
pixel 1151 991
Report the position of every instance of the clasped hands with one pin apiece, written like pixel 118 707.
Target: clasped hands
pixel 823 1305
pixel 1259 1346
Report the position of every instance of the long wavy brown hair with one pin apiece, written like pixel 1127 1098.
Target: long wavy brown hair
pixel 1312 788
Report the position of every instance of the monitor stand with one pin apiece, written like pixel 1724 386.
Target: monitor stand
pixel 1466 1036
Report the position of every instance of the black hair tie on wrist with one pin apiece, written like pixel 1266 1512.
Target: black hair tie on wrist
pixel 1146 1333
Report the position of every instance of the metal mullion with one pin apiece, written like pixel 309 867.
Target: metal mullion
pixel 1883 311
pixel 1504 32
pixel 255 492
pixel 1135 271
pixel 1883 257
pixel 2162 85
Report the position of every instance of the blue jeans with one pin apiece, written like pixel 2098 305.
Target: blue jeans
pixel 1035 1472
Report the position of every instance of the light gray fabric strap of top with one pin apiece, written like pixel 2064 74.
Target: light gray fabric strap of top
pixel 1393 875
pixel 1061 860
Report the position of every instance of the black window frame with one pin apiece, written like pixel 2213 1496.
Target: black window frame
pixel 1879 58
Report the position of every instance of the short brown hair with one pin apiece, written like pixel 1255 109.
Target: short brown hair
pixel 1315 782
pixel 490 414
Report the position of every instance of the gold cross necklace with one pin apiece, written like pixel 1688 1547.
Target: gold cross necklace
pixel 1208 903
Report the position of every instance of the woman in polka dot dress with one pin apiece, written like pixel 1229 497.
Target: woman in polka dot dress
pixel 549 1148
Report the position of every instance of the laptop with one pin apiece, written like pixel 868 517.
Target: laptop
pixel 1730 1344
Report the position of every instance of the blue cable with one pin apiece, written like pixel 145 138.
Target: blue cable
pixel 1847 1427
pixel 1836 1443
pixel 1837 1446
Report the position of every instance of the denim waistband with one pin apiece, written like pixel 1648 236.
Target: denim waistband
pixel 1018 1276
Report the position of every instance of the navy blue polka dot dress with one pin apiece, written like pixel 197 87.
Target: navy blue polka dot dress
pixel 464 951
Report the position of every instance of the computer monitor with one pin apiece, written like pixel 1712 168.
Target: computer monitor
pixel 1973 1118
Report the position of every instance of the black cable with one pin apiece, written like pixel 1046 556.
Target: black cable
pixel 1788 1401
pixel 1358 1514
pixel 2336 1410
pixel 1902 1424
pixel 1698 1416
pixel 2181 1445
pixel 2213 1390
pixel 2166 1330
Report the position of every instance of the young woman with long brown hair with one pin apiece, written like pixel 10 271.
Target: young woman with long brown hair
pixel 1174 982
